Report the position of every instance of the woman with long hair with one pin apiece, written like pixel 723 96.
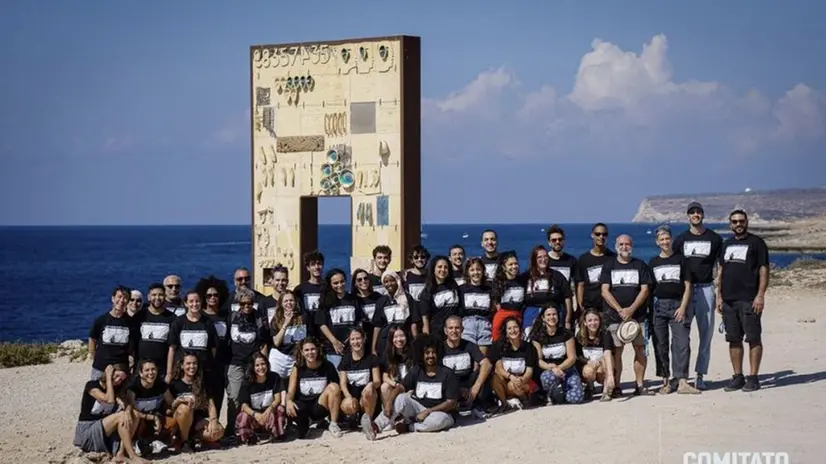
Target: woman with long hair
pixel 287 328
pixel 440 298
pixel 101 428
pixel 477 305
pixel 337 315
pixel 314 392
pixel 361 287
pixel 508 292
pixel 545 286
pixel 396 364
pixel 360 377
pixel 193 409
pixel 595 348
pixel 152 398
pixel 192 333
pixel 396 307
pixel 214 294
pixel 260 403
pixel 514 361
pixel 556 359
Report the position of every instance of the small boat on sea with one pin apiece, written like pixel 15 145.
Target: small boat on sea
pixel 465 235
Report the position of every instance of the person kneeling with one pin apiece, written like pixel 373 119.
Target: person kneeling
pixel 359 375
pixel 514 361
pixel 556 355
pixel 193 410
pixel 260 399
pixel 314 393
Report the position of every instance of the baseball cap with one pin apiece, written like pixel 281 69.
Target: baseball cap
pixel 693 205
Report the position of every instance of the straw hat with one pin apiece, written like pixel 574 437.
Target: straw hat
pixel 628 331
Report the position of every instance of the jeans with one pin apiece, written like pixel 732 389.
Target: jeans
pixel 702 305
pixel 680 349
pixel 408 409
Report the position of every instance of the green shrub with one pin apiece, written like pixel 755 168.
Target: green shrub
pixel 16 354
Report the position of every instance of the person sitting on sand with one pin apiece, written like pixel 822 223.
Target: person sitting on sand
pixel 477 305
pixel 396 363
pixel 100 429
pixel 151 397
pixel 469 365
pixel 359 377
pixel 595 348
pixel 314 392
pixel 393 308
pixel 432 391
pixel 514 361
pixel 556 359
pixel 193 409
pixel 260 403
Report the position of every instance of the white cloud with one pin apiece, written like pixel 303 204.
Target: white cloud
pixel 622 101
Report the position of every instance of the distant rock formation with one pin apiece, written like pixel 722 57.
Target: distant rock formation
pixel 762 206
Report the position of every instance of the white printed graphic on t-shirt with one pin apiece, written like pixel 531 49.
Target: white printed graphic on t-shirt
pixel 101 409
pixel 415 290
pixel 261 400
pixel 154 332
pixel 312 386
pixel 593 353
pixel 194 339
pixel 460 362
pixel 696 249
pixel 490 270
pixel 402 371
pixel 311 301
pixel 477 300
pixel 241 337
pixel 513 295
pixel 667 273
pixel 565 271
pixel 179 311
pixel 594 273
pixel 736 253
pixel 295 333
pixel 343 315
pixel 429 390
pixel 235 307
pixel 380 289
pixel 115 335
pixel 369 310
pixel 556 350
pixel 460 280
pixel 514 365
pixel 270 313
pixel 394 314
pixel 540 285
pixel 625 278
pixel 149 405
pixel 359 378
pixel 445 298
pixel 220 329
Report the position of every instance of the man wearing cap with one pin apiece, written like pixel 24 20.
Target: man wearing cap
pixel 701 247
pixel 625 284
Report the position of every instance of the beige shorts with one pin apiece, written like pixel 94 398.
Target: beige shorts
pixel 639 340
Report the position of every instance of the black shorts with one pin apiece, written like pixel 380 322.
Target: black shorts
pixel 741 320
pixel 311 410
pixel 355 391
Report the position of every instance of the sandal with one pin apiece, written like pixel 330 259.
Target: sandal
pixel 665 389
pixel 606 396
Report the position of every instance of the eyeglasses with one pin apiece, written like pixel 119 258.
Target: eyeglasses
pixel 173 285
pixel 556 240
pixel 600 234
pixel 738 221
pixel 136 300
pixel 212 295
pixel 695 211
pixel 242 279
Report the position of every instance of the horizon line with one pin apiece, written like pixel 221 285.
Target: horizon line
pixel 483 224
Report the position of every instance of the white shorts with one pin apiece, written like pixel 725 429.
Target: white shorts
pixel 280 363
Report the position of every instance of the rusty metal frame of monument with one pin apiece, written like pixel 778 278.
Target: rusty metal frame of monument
pixel 410 79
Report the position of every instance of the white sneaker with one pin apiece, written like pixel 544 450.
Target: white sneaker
pixel 514 403
pixel 335 430
pixel 136 448
pixel 384 423
pixel 158 447
pixel 367 427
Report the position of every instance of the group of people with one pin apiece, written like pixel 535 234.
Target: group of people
pixel 416 350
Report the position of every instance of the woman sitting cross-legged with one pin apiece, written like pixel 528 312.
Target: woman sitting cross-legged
pixel 359 377
pixel 151 396
pixel 260 400
pixel 595 348
pixel 193 409
pixel 100 429
pixel 556 356
pixel 314 393
pixel 514 361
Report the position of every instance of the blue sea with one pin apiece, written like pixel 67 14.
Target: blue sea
pixel 57 279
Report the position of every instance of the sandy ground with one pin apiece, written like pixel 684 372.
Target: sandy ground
pixel 40 406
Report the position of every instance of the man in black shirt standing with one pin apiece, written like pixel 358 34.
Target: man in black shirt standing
pixel 701 247
pixel 589 270
pixel 744 277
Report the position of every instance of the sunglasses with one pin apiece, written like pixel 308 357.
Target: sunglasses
pixel 242 279
pixel 212 295
pixel 738 221
pixel 245 304
pixel 557 240
pixel 136 300
pixel 600 234
pixel 362 279
pixel 173 286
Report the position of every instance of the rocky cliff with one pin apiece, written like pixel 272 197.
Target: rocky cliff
pixel 762 206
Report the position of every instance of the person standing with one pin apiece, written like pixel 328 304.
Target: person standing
pixel 700 246
pixel 744 277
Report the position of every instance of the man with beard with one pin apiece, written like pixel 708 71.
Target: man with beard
pixel 457 263
pixel 744 277
pixel 152 325
pixel 308 293
pixel 589 270
pixel 172 288
pixel 701 247
pixel 111 336
pixel 490 246
pixel 382 256
pixel 626 283
pixel 242 280
pixel 565 264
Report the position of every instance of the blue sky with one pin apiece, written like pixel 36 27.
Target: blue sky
pixel 137 112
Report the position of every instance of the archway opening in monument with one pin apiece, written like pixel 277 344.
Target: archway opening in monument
pixel 334 232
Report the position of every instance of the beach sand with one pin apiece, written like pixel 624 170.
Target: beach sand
pixel 40 406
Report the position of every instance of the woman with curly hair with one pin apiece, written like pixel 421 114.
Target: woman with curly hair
pixel 193 409
pixel 508 292
pixel 215 293
pixel 514 362
pixel 556 358
pixel 260 401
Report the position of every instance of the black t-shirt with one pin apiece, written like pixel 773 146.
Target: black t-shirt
pixel 220 321
pixel 154 335
pixel 513 294
pixel 114 339
pixel 491 265
pixel 741 261
pixel 513 361
pixel 312 382
pixel 149 400
pixel 438 304
pixel 267 307
pixel 458 276
pixel 292 335
pixel 92 409
pixel 309 297
pixel 198 338
pixel 589 270
pixel 547 289
pixel 553 347
pixel 230 306
pixel 359 373
pixel 701 251
pixel 476 300
pixel 669 276
pixel 340 318
pixel 259 395
pixel 565 265
pixel 388 312
pixel 247 334
pixel 431 391
pixel 378 286
pixel 625 281
pixel 594 350
pixel 176 307
pixel 178 388
pixel 403 368
pixel 414 284
pixel 368 304
pixel 462 359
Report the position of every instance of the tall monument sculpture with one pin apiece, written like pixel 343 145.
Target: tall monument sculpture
pixel 334 119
